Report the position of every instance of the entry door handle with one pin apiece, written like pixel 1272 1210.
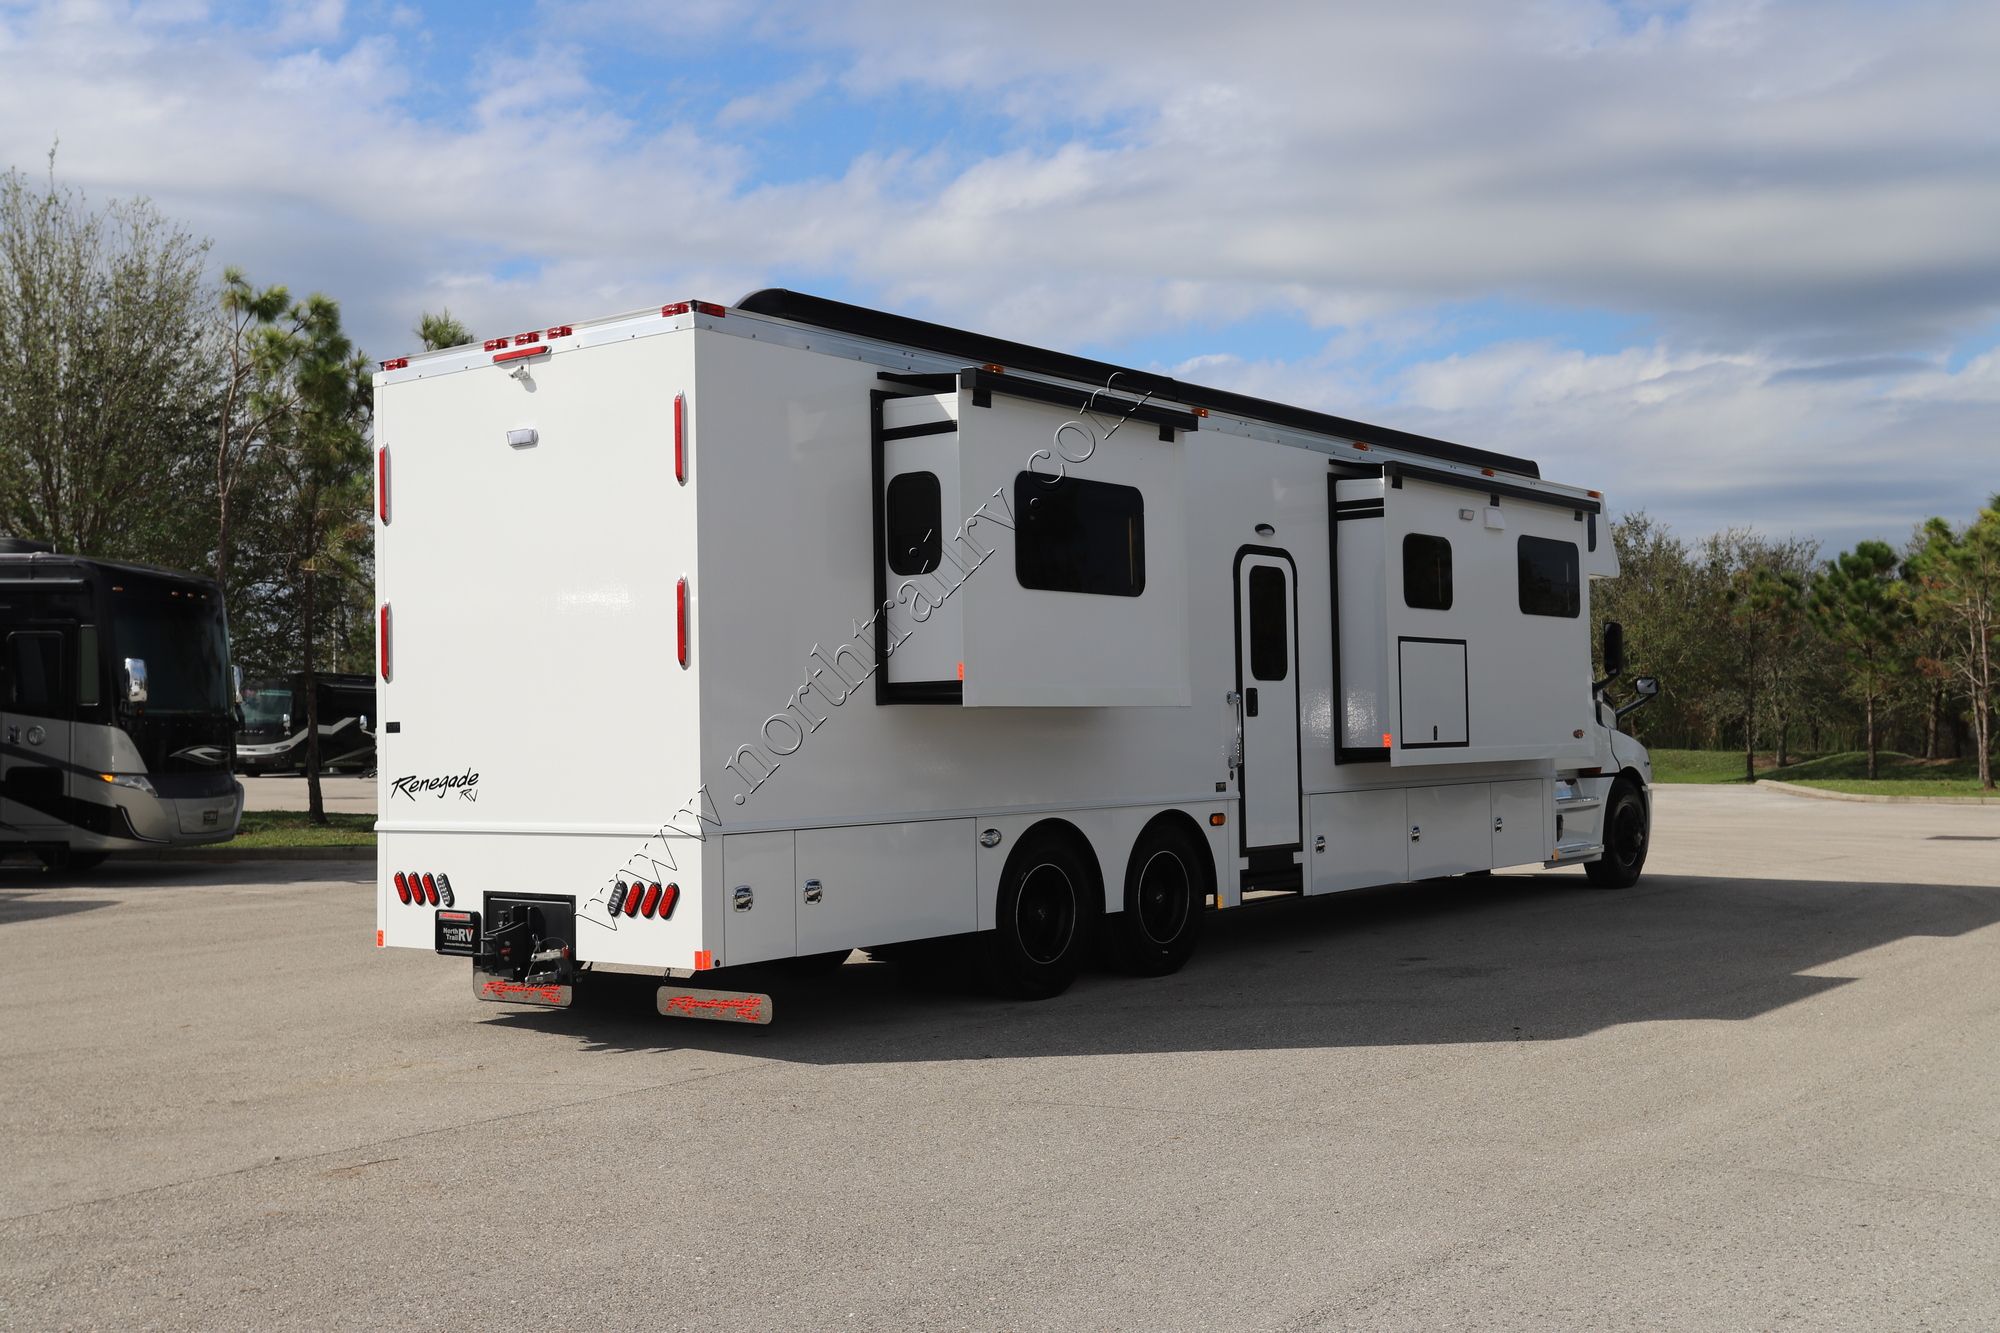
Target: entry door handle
pixel 1250 702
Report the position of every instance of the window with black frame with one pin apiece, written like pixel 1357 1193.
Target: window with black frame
pixel 913 514
pixel 1426 572
pixel 1074 535
pixel 1550 581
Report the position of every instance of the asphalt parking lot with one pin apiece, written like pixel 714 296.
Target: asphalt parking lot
pixel 1757 1090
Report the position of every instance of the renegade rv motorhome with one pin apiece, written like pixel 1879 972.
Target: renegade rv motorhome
pixel 116 708
pixel 846 630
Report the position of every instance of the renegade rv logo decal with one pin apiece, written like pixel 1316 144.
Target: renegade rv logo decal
pixel 466 784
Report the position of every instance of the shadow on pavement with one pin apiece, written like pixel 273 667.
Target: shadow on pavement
pixel 121 874
pixel 1508 958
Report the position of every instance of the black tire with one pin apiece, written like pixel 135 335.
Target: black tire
pixel 1167 883
pixel 1045 920
pixel 1628 832
pixel 61 860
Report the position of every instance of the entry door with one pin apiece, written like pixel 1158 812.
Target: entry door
pixel 34 730
pixel 1267 683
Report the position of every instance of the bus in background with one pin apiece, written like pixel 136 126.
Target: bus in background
pixel 272 738
pixel 117 708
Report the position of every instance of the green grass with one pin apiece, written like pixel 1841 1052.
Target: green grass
pixel 293 828
pixel 1897 774
pixel 1697 766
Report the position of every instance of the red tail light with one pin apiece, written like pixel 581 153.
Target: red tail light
pixel 382 641
pixel 519 353
pixel 632 900
pixel 430 890
pixel 668 897
pixel 680 439
pixel 652 900
pixel 402 886
pixel 680 624
pixel 382 483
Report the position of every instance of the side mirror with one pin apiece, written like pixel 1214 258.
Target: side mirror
pixel 236 681
pixel 285 721
pixel 1614 649
pixel 135 680
pixel 1646 686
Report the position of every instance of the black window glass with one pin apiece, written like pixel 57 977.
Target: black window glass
pixel 1074 535
pixel 1270 639
pixel 1426 572
pixel 915 514
pixel 34 671
pixel 1549 585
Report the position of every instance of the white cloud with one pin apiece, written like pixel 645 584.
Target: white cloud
pixel 1796 201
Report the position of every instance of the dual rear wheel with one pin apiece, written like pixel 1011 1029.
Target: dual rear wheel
pixel 1049 917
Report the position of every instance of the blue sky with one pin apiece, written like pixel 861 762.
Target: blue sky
pixel 1732 261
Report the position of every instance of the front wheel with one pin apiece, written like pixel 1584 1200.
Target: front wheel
pixel 1627 832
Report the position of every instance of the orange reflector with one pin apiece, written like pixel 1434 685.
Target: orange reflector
pixel 703 960
pixel 378 940
pixel 1359 445
pixel 1486 472
pixel 961 671
pixel 1201 411
pixel 1217 820
pixel 1386 742
pixel 1595 495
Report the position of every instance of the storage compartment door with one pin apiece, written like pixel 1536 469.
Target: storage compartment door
pixel 757 896
pixel 1523 822
pixel 920 572
pixel 885 883
pixel 1451 830
pixel 1432 693
pixel 1367 840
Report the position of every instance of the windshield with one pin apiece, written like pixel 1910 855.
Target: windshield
pixel 177 629
pixel 267 703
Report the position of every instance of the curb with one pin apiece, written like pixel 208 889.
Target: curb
pixel 1821 794
pixel 226 854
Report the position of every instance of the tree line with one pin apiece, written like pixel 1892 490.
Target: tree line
pixel 152 413
pixel 1763 645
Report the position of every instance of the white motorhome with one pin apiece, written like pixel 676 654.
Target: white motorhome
pixel 824 629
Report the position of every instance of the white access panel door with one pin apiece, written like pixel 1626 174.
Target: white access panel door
pixel 1523 822
pixel 1367 840
pixel 1267 684
pixel 1451 830
pixel 885 883
pixel 1431 693
pixel 760 923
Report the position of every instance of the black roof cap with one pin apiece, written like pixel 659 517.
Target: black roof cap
pixel 977 348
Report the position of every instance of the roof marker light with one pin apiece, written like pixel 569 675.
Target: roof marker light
pixel 523 339
pixel 396 363
pixel 560 331
pixel 672 308
pixel 494 344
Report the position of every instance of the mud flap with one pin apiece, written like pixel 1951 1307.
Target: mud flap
pixel 499 990
pixel 725 1006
